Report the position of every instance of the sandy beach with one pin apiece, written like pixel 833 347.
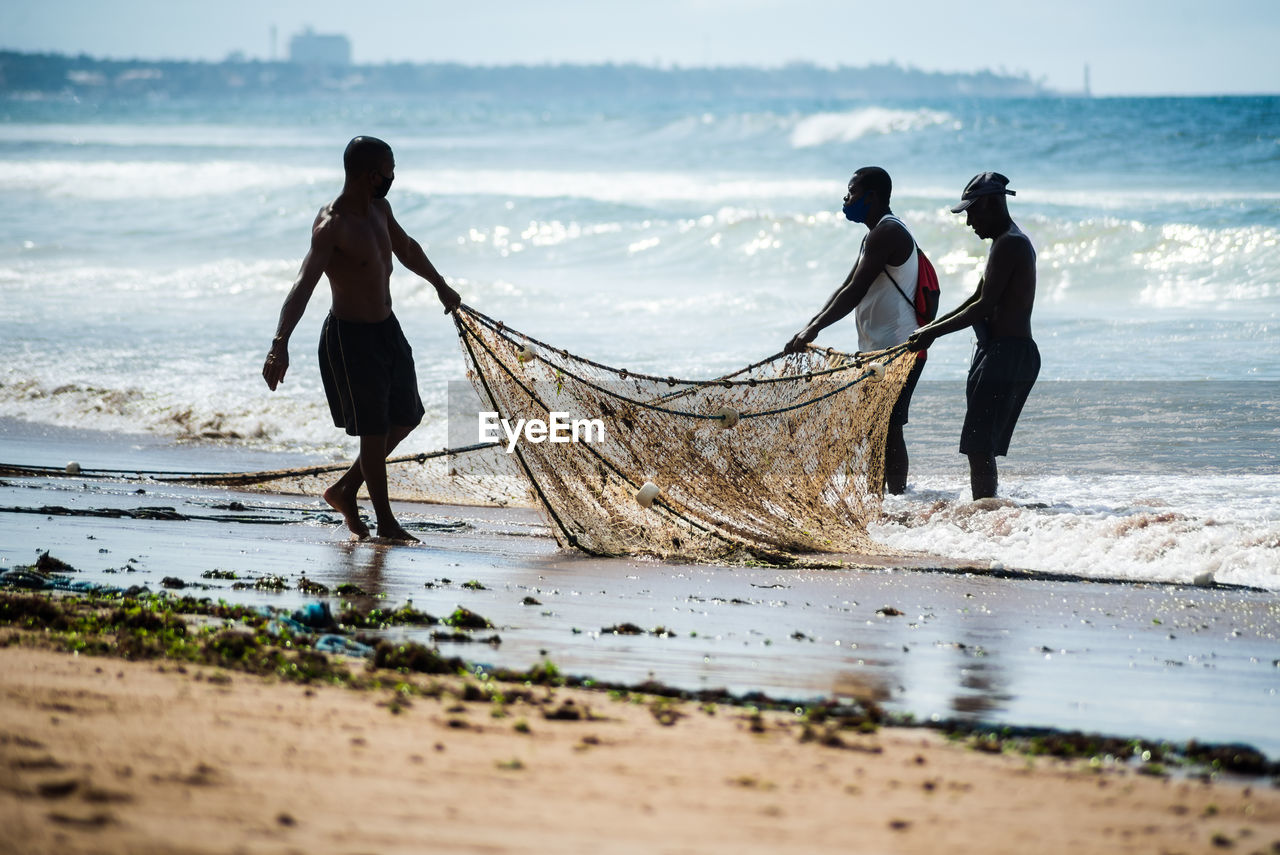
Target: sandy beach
pixel 100 754
pixel 107 756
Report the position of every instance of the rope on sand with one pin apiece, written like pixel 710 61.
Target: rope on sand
pixel 230 479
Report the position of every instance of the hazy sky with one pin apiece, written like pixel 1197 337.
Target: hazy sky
pixel 1131 46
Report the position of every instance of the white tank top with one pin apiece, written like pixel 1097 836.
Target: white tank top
pixel 884 316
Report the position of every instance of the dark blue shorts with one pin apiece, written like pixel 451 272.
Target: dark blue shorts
pixel 1000 378
pixel 902 408
pixel 368 376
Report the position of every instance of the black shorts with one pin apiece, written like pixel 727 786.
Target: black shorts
pixel 902 408
pixel 1000 378
pixel 368 376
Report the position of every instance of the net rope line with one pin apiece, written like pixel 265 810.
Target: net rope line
pixel 854 364
pixel 805 481
pixel 229 478
pixel 465 332
pixel 854 360
pixel 476 475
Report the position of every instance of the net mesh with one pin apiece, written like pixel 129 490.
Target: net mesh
pixel 783 456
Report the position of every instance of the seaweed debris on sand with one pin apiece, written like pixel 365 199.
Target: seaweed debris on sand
pixel 283 749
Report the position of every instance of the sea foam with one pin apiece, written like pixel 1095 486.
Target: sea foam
pixel 1149 540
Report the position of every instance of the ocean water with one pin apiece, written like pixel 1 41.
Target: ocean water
pixel 147 246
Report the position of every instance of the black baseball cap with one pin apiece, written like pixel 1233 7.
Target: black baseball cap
pixel 983 184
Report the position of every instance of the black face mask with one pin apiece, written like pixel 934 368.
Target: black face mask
pixel 386 188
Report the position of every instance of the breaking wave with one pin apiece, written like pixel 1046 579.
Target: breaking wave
pixel 825 128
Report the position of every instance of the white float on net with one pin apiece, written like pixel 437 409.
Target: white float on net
pixel 647 493
pixel 728 417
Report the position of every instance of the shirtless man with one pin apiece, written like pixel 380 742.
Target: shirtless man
pixel 365 362
pixel 1006 361
pixel 880 290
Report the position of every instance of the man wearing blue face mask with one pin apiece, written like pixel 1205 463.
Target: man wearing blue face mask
pixel 882 288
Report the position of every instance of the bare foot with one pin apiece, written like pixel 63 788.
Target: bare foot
pixel 393 533
pixel 345 504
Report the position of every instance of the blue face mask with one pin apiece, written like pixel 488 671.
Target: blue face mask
pixel 857 211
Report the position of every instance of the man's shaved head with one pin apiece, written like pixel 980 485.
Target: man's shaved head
pixel 364 154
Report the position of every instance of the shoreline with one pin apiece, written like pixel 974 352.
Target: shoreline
pixel 161 754
pixel 1001 649
pixel 940 639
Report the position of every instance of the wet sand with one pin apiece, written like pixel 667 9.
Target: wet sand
pixel 934 638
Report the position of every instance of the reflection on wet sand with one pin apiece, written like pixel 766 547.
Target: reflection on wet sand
pixel 862 686
pixel 984 695
pixel 361 564
pixel 983 682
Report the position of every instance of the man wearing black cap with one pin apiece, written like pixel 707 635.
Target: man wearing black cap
pixel 1006 361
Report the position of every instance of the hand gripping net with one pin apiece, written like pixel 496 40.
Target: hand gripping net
pixel 801 470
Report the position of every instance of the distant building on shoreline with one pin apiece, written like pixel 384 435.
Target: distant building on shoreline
pixel 311 48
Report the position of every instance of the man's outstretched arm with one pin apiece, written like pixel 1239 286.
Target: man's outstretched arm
pixel 957 318
pixel 850 293
pixel 1000 269
pixel 411 255
pixel 313 266
pixel 966 314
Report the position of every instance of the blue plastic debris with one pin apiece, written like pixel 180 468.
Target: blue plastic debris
pixel 340 644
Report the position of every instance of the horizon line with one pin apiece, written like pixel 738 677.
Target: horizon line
pixel 237 58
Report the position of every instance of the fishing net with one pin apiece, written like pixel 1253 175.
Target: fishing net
pixel 783 456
